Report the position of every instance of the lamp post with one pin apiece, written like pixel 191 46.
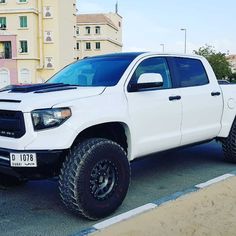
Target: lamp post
pixel 185 39
pixel 163 47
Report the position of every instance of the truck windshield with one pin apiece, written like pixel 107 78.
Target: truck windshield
pixel 100 71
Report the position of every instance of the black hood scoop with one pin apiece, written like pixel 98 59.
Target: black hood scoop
pixel 38 88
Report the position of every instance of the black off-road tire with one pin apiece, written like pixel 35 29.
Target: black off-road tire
pixel 229 145
pixel 94 178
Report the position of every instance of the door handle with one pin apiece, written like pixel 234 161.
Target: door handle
pixel 172 98
pixel 215 94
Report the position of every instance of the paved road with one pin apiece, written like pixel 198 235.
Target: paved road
pixel 35 208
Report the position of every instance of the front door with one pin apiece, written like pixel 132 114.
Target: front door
pixel 155 113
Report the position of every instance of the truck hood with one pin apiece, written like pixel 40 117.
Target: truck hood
pixel 38 96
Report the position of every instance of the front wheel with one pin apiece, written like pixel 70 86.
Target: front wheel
pixel 95 177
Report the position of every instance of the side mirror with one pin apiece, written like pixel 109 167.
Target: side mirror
pixel 147 81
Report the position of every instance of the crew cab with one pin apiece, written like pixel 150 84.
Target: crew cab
pixel 90 120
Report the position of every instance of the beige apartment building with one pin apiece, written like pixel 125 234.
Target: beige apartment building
pixel 37 38
pixel 98 34
pixel 232 60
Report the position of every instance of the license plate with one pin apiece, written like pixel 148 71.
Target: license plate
pixel 23 159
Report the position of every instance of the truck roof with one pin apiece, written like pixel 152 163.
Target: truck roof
pixel 121 54
pixel 133 55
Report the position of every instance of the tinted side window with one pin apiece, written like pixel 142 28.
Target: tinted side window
pixel 153 65
pixel 190 72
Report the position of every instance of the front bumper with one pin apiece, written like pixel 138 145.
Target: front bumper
pixel 48 164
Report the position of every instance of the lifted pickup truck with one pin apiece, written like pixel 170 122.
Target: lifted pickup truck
pixel 91 119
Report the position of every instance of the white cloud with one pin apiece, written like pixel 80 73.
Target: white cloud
pixel 178 47
pixel 144 29
pixel 224 45
pixel 173 47
pixel 134 49
pixel 89 7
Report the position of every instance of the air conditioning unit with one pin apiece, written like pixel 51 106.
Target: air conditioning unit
pixel 47 12
pixel 48 37
pixel 49 62
pixel 2 26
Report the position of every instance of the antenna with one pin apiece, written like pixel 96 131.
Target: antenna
pixel 117 7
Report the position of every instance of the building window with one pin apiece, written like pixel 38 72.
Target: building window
pixel 25 76
pixel 77 31
pixel 23 46
pixel 23 22
pixel 77 45
pixel 5 50
pixel 2 1
pixel 97 30
pixel 3 23
pixel 88 30
pixel 98 45
pixel 22 1
pixel 88 46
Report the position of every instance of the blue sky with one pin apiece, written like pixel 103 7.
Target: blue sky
pixel 147 24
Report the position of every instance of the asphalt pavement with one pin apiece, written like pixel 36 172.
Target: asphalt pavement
pixel 35 208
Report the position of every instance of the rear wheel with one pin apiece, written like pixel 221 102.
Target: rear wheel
pixel 95 178
pixel 229 145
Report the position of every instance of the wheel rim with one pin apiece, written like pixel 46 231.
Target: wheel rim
pixel 103 179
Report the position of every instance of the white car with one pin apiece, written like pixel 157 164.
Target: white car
pixel 96 115
pixel 223 81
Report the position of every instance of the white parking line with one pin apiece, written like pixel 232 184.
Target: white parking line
pixel 149 206
pixel 124 216
pixel 213 181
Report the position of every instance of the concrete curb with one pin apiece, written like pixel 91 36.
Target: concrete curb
pixel 149 206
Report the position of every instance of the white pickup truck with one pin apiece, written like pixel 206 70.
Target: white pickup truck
pixel 91 119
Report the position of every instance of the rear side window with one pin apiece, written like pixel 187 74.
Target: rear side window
pixel 190 72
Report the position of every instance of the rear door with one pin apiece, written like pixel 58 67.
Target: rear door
pixel 201 100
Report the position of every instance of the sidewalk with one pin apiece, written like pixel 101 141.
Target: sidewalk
pixel 209 211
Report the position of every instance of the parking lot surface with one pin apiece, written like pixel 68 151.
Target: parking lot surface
pixel 35 208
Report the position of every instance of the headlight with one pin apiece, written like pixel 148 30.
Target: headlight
pixel 49 118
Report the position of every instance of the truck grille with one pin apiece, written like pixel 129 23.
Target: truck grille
pixel 12 124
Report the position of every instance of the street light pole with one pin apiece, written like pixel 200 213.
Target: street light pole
pixel 163 47
pixel 185 39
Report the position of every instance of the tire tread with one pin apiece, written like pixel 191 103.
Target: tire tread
pixel 229 145
pixel 71 169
